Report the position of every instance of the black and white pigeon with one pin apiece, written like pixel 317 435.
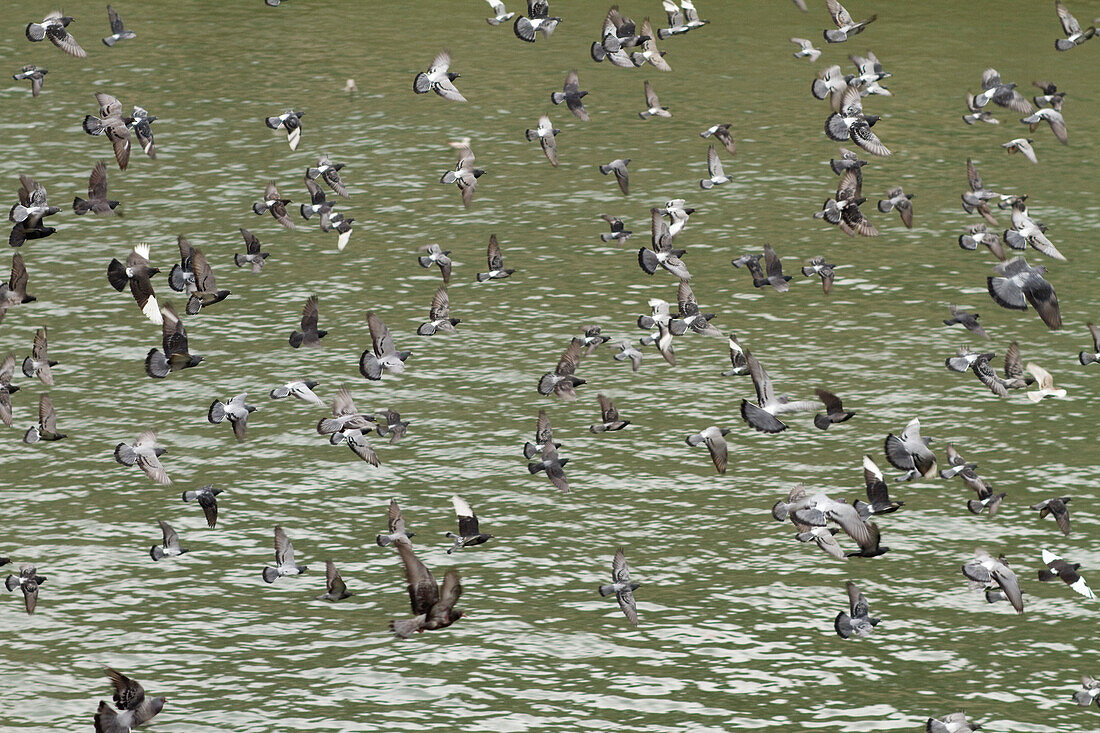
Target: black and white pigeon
pixel 858 621
pixel 967 320
pixel 1005 95
pixel 1059 569
pixel 715 170
pixel 318 204
pixel 722 134
pixel 145 453
pixel 291 123
pixel 464 175
pixel 618 231
pixel 495 259
pixel 501 13
pixel 1089 692
pixel 537 20
pixel 897 200
pixel 1026 231
pixel 439 315
pixel 869 72
pixel 818 266
pixel 140 123
pixel 622 587
pixel 34 75
pixel 552 465
pixel 468 532
pixel 181 277
pixel 617 34
pixel 137 273
pixel 55 27
pixel 7 371
pixel 301 389
pixel 843 211
pixel 97 201
pixel 383 357
pixel 274 204
pixel 1074 35
pixel 622 176
pixel 762 416
pixel 118 30
pixel 977 114
pixel 909 452
pixel 1091 357
pixel 850 123
pixel 345 418
pixel 845 26
pixel 328 172
pixel 714 438
pixel 284 559
pixel 690 314
pixel 395 523
pixel 627 351
pixel 236 410
pixel 436 255
pixel 1017 283
pixel 976 234
pixel 1050 97
pixel 545 133
pixel 653 104
pixel 38 363
pixel 47 423
pixel 609 417
pixel 680 19
pixel 662 254
pixel 985 570
pixel 170 543
pixel 878 493
pixel 563 380
pixel 572 94
pixel 132 708
pixel 649 53
pixel 335 588
pixel 111 124
pixel 207 498
pixel 27 215
pixel 739 365
pixel 389 424
pixel 978 363
pixel 834 410
pixel 206 291
pixel 438 79
pixel 27 581
pixel 1057 508
pixel 433 606
pixel 252 256
pixel 310 335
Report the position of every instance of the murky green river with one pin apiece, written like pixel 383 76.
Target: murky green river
pixel 736 616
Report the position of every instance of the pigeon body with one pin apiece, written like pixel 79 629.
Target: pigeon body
pixel 433 606
pixel 310 336
pixel 985 570
pixel 145 453
pixel 1016 284
pixel 335 588
pixel 845 26
pixel 563 381
pixel 118 29
pixel 136 274
pixel 132 707
pixel 395 525
pixel 622 587
pixel 469 534
pixel 439 315
pixel 27 582
pixel 545 133
pixel 284 559
pixel 55 28
pixel 763 416
pixel 909 452
pixel 112 125
pixel 275 205
pixel 34 75
pixel 236 410
pixel 495 259
pixel 169 546
pixel 47 423
pixel 291 123
pixel 537 20
pixel 439 79
pixel 383 357
pixel 714 438
pixel 252 256
pixel 207 498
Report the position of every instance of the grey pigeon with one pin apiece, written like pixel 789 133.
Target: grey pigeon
pixel 132 708
pixel 35 75
pixel 545 133
pixel 310 335
pixel 649 53
pixel 464 175
pixel 111 124
pixel 318 204
pixel 617 34
pixel 55 27
pixel 806 49
pixel 834 410
pixel 274 204
pixel 843 211
pixel 572 94
pixel 439 315
pixel 28 582
pixel 169 546
pixel 7 370
pixel 501 14
pixel 206 291
pixel 1074 35
pixel 714 438
pixel 383 357
pixel 816 510
pixel 618 167
pixel 495 259
pixel 850 123
pixel 622 587
pixel 910 452
pixel 252 255
pixel 206 496
pixel 618 233
pixel 328 172
pixel 47 423
pixel 335 589
pixel 690 314
pixel 1057 508
pixel 628 351
pixel 544 434
pixel 978 234
pixel 985 570
pixel 389 423
pixel 722 134
pixel 1016 284
pixel 1091 357
pixel 563 380
pixel 537 20
pixel 1001 93
pixel 653 104
pixel 967 320
pixel 739 364
pixel 284 559
pixel 396 526
pixel 552 465
pixel 897 199
pixel 118 30
pixel 878 493
pixel 38 363
pixel 818 266
pixel 715 170
pixel 439 79
pixel 978 197
pixel 1089 692
pixel 145 453
pixel 469 533
pixel 763 415
pixel 437 256
pixel 27 216
pixel 97 202
pixel 845 26
pixel 236 410
pixel 609 417
pixel 858 621
pixel 976 113
pixel 345 418
pixel 953 723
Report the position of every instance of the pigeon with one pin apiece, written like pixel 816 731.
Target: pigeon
pixel 662 254
pixel 206 291
pixel 1021 145
pixel 1026 230
pixel 385 359
pixel 985 570
pixel 593 339
pixel 609 417
pixel 1046 384
pixel 140 122
pixel 299 388
pixel 976 113
pixel 132 707
pixel 342 226
pixel 396 525
pixel 537 19
pixel 1052 117
pixel 680 19
pixel 1074 35
pixel 739 364
pixel 433 606
pixel 617 34
pixel 207 499
pixel 805 49
pixel 468 532
pixel 858 621
pixel 118 30
pixel 335 589
pixel 869 73
pixel 622 587
pixel 969 321
pixel 618 233
pixel 899 200
pixel 318 204
pixel 953 723
pixel 7 370
pixel 690 314
pixel 495 259
pixel 146 453
pixel 236 410
pixel 27 215
pixel 562 381
pixel 55 27
pixel 978 234
pixel 284 559
pixel 1089 693
pixel 1057 508
pixel 978 197
pixel 763 415
pixel 97 202
pixel 545 133
pixel 910 452
pixel 438 79
pixel 252 255
pixel 551 464
pixel 137 273
pixel 169 546
pixel 722 134
pixel 572 95
pixel 957 465
pixel 291 123
pixel 834 410
pixel 501 14
pixel 14 291
pixel 47 423
pixel 850 123
pixel 1059 569
pixel 274 204
pixel 38 363
pixel 328 172
pixel 830 84
pixel 1050 97
pixel 35 75
pixel 544 434
pixel 653 104
pixel 987 498
pixel 618 167
pixel 181 277
pixel 714 438
pixel 174 341
pixel 389 423
pixel 1091 357
pixel 818 266
pixel 27 581
pixel 345 418
pixel 436 256
pixel 667 327
pixel 628 351
pixel 979 364
pixel 111 124
pixel 1002 94
pixel 843 211
pixel 845 26
pixel 714 170
pixel 773 270
pixel 464 175
pixel 649 51
pixel 439 315
pixel 1017 283
pixel 815 510
pixel 310 335
pixel 878 493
